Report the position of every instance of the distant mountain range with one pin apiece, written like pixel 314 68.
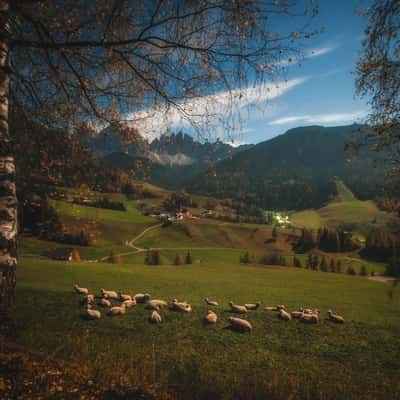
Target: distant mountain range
pixel 171 160
pixel 295 170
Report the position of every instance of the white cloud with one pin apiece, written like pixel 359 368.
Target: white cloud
pixel 311 53
pixel 209 110
pixel 334 118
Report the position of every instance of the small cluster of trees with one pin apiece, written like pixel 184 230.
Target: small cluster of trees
pixel 266 259
pixel 181 260
pixel 177 200
pixel 381 245
pixel 103 202
pixel 327 239
pixel 313 262
pixel 153 257
pixel 41 219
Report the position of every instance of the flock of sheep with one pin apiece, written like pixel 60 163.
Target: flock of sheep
pixel 125 301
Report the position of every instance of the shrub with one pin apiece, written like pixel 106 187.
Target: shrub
pixel 179 259
pixel 393 267
pixel 153 258
pixel 273 259
pixel 350 270
pixel 338 267
pixel 296 262
pixel 324 266
pixel 76 257
pixel 115 258
pixel 363 271
pixel 188 259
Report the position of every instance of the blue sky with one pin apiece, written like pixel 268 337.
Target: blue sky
pixel 327 94
pixel 318 90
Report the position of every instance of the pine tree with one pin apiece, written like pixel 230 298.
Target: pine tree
pixel 315 262
pixel 156 259
pixel 363 271
pixel 179 259
pixel 324 266
pixel 309 262
pixel 338 266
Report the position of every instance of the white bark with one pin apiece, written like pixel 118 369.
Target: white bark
pixel 8 199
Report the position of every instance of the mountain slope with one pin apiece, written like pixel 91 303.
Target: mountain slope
pixel 170 160
pixel 294 170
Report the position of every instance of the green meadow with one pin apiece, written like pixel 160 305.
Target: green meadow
pixel 278 359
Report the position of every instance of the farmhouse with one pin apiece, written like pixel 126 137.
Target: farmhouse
pixel 184 213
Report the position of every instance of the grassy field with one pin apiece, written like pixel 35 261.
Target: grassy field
pixel 345 209
pixel 278 360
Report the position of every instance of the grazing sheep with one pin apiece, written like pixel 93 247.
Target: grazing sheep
pixel 252 306
pixel 156 304
pixel 285 315
pixel 309 318
pixel 297 314
pixel 87 299
pixel 124 297
pixel 240 324
pixel 276 308
pixel 211 302
pixel 238 309
pixel 91 314
pixel 117 310
pixel 181 306
pixel 335 318
pixel 155 317
pixel 129 303
pixel 105 303
pixel 211 317
pixel 81 290
pixel 109 294
pixel 142 298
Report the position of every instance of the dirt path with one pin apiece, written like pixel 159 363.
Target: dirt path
pixel 381 278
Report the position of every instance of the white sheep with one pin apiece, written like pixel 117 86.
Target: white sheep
pixel 155 317
pixel 124 297
pixel 252 306
pixel 156 304
pixel 240 324
pixel 238 309
pixel 211 317
pixel 285 315
pixel 335 318
pixel 181 306
pixel 142 298
pixel 91 314
pixel 117 310
pixel 87 299
pixel 211 302
pixel 276 308
pixel 297 314
pixel 81 290
pixel 129 303
pixel 109 294
pixel 105 303
pixel 309 318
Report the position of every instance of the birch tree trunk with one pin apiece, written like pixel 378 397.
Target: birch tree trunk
pixel 8 199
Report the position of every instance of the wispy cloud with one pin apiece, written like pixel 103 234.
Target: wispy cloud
pixel 333 118
pixel 310 53
pixel 210 109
